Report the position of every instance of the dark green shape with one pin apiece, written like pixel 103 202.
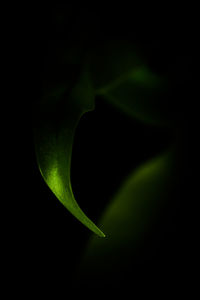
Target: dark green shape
pixel 121 75
pixel 143 95
pixel 112 61
pixel 128 219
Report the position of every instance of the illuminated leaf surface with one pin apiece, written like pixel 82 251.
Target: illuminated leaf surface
pixel 56 118
pixel 128 221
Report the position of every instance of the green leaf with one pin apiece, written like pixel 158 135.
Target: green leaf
pixel 129 219
pixel 143 95
pixel 112 61
pixel 55 121
pixel 121 75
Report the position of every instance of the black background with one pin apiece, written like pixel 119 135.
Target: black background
pixel 45 241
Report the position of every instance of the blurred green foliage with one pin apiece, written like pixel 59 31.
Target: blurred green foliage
pixel 125 160
pixel 129 220
pixel 117 71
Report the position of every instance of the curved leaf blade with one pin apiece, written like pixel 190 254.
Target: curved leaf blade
pixel 57 117
pixel 129 220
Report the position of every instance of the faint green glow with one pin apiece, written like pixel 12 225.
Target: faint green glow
pixel 129 218
pixel 140 76
pixel 144 76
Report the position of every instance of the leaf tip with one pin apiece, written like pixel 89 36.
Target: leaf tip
pixel 100 233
